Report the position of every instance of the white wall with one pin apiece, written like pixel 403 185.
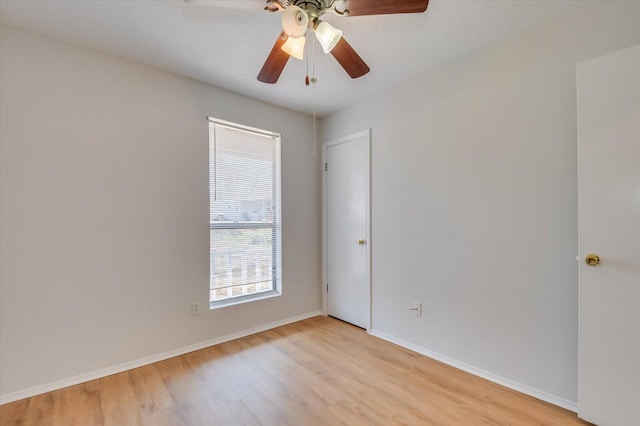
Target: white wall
pixel 104 211
pixel 474 200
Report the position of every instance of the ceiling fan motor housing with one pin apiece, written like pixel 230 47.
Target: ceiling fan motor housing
pixel 314 8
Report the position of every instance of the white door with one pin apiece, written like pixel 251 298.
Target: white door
pixel 346 209
pixel 609 226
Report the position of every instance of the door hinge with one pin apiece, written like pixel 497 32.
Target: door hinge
pixel 325 167
pixel 327 287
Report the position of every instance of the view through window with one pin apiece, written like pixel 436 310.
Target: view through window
pixel 244 210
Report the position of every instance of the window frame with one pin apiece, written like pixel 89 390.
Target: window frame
pixel 276 225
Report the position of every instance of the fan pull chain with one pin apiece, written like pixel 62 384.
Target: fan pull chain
pixel 306 54
pixel 314 80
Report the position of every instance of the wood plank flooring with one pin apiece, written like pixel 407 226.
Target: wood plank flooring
pixel 320 371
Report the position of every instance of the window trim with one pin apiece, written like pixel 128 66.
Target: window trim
pixel 277 225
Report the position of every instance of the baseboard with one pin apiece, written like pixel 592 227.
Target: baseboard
pixel 59 384
pixel 511 384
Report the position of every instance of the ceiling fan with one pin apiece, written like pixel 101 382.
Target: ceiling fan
pixel 300 15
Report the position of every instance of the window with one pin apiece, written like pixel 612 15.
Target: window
pixel 244 213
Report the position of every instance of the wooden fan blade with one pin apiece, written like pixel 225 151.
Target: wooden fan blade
pixel 275 62
pixel 349 59
pixel 384 7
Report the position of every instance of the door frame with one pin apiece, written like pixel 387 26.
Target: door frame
pixel 367 236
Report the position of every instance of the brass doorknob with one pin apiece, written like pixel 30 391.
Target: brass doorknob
pixel 360 242
pixel 592 259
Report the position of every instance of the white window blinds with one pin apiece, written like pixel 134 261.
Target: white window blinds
pixel 243 211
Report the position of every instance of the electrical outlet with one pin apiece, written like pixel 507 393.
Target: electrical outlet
pixel 417 309
pixel 195 309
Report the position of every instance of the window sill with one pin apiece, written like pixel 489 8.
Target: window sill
pixel 244 299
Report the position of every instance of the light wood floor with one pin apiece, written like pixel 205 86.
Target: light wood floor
pixel 315 372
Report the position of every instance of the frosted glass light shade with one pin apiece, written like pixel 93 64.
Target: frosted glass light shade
pixel 294 46
pixel 295 21
pixel 328 36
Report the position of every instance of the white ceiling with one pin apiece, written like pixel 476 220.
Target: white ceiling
pixel 225 43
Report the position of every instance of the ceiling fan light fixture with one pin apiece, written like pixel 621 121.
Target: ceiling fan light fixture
pixel 328 36
pixel 295 21
pixel 294 46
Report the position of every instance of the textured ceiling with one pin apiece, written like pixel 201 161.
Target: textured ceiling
pixel 225 43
